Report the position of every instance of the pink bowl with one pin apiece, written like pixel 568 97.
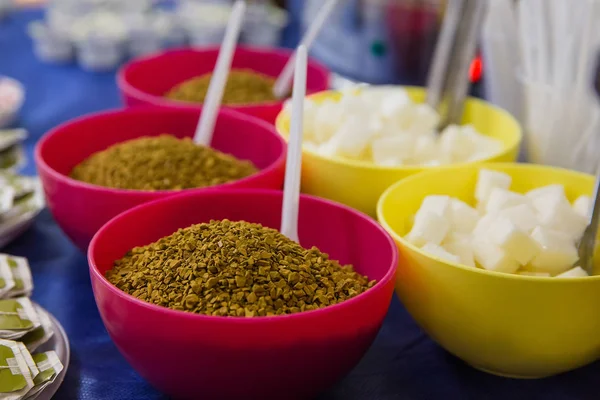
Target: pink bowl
pixel 144 81
pixel 81 209
pixel 190 356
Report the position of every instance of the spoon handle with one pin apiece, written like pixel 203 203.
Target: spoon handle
pixel 586 248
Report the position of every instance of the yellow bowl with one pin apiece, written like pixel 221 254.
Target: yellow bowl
pixel 509 325
pixel 359 184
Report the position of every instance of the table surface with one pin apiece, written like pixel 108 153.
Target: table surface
pixel 403 363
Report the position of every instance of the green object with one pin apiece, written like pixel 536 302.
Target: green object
pixel 161 163
pixel 21 272
pixel 15 378
pixel 7 281
pixel 17 317
pixel 236 269
pixel 49 367
pixel 378 48
pixel 37 337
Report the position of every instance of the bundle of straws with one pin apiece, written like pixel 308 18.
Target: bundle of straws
pixel 541 58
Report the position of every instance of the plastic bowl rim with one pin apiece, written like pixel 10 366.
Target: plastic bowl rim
pixel 130 90
pixel 381 217
pixel 42 164
pixel 389 275
pixel 346 162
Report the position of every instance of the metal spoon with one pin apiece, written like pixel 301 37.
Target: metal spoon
pixel 588 240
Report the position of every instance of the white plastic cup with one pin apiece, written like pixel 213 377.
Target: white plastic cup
pixel 100 53
pixel 50 46
pixel 264 25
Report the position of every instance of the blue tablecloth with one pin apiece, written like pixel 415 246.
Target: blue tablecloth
pixel 402 364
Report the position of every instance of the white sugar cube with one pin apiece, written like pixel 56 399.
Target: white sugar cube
pixel 436 204
pixel 463 217
pixel 425 119
pixel 392 147
pixel 426 148
pixel 576 272
pixel 530 273
pixel 487 180
pixel 582 206
pixel 454 144
pixel 483 226
pixel 394 103
pixel 328 118
pixel 516 243
pixel 353 137
pixel 549 190
pixel 493 258
pixel 457 237
pixel 500 199
pixel 429 227
pixel 522 215
pixel 438 251
pixel 329 148
pixel 555 212
pixel 558 252
pixel 463 251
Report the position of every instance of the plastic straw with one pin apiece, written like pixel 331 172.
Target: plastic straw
pixel 214 96
pixel 282 84
pixel 291 189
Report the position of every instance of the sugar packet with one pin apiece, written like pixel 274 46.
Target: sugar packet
pixel 40 335
pixel 7 281
pixel 17 317
pixel 50 367
pixel 15 376
pixel 21 273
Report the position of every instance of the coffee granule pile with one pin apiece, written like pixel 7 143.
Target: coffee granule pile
pixel 242 87
pixel 161 163
pixel 236 269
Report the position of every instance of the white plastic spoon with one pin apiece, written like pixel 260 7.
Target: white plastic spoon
pixel 291 189
pixel 214 96
pixel 282 84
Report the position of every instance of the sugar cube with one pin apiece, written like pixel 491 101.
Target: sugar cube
pixel 394 103
pixel 483 226
pixel 353 137
pixel 500 199
pixel 440 252
pixel 425 119
pixel 493 258
pixel 522 215
pixel 457 237
pixel 558 252
pixel 582 206
pixel 328 118
pixel 454 144
pixel 554 190
pixel 428 227
pixel 462 250
pixel 516 243
pixel 555 212
pixel 392 147
pixel 487 180
pixel 463 217
pixel 437 204
pixel 576 272
pixel 426 148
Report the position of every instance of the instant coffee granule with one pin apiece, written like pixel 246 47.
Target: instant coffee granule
pixel 236 269
pixel 243 87
pixel 161 163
